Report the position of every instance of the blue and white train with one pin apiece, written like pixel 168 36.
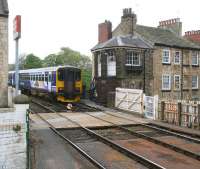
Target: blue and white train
pixel 62 82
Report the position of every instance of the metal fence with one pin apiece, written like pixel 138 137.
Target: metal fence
pixel 182 113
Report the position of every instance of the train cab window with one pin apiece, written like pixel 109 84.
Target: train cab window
pixel 61 74
pixel 78 75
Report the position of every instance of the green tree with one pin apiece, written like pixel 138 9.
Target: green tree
pixel 67 56
pixel 31 61
pixel 51 60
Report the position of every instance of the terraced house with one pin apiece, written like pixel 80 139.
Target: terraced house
pixel 156 59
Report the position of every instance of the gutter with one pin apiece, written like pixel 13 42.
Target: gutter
pixel 179 47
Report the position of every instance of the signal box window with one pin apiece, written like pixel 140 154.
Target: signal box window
pixel 133 58
pixel 111 64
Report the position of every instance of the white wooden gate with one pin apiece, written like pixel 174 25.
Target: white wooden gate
pixel 129 99
pixel 151 107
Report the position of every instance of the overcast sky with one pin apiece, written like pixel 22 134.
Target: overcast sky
pixel 48 25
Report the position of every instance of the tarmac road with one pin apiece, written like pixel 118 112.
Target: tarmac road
pixel 51 152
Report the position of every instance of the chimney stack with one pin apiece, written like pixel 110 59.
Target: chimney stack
pixel 193 35
pixel 128 21
pixel 105 31
pixel 175 25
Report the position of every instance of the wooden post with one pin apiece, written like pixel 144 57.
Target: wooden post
pixel 162 116
pixel 198 109
pixel 179 113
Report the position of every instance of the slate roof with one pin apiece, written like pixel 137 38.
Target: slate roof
pixel 4 8
pixel 160 36
pixel 123 41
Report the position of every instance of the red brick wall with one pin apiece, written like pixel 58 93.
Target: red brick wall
pixel 105 31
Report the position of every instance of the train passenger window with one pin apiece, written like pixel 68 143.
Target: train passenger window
pixel 40 77
pixel 61 74
pixel 46 78
pixel 50 78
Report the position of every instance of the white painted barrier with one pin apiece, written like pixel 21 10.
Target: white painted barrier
pixel 151 107
pixel 129 100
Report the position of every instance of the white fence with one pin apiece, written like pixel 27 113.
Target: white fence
pixel 129 99
pixel 133 100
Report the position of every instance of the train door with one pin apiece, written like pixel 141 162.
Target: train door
pixel 49 81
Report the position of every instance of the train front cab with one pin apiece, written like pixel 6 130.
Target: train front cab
pixel 68 84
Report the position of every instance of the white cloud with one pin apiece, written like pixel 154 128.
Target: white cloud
pixel 48 25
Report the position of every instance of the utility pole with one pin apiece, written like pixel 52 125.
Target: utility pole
pixel 17 35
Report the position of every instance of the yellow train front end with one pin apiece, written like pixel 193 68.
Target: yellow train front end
pixel 68 84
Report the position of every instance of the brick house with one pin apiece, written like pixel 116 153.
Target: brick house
pixel 193 36
pixel 3 53
pixel 156 59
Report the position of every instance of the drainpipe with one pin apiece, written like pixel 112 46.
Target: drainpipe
pixel 144 70
pixel 181 74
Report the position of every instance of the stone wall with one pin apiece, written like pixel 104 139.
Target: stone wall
pixel 3 61
pixel 185 70
pixel 133 77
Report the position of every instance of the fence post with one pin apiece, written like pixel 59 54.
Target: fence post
pixel 198 116
pixel 162 111
pixel 179 113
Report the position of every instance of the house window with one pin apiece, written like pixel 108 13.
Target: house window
pixel 195 58
pixel 177 57
pixel 166 56
pixel 111 64
pixel 99 65
pixel 177 82
pixel 194 82
pixel 166 82
pixel 133 58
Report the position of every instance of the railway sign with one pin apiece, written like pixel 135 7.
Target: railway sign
pixel 16 36
pixel 17 27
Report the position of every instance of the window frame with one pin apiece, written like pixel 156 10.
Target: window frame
pixel 169 88
pixel 177 63
pixel 197 82
pixel 169 59
pixel 197 58
pixel 111 54
pixel 131 58
pixel 179 76
pixel 99 59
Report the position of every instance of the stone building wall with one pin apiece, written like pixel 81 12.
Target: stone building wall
pixel 3 61
pixel 185 70
pixel 127 77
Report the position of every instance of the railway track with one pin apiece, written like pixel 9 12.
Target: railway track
pixel 151 135
pixel 146 132
pixel 183 135
pixel 136 159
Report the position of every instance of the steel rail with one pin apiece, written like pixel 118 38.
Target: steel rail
pixel 160 129
pixel 193 135
pixel 136 157
pixel 75 146
pixel 119 148
pixel 151 139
